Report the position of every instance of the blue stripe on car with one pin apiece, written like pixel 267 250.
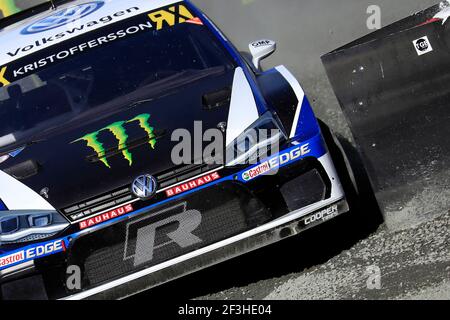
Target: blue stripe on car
pixel 307 125
pixel 3 206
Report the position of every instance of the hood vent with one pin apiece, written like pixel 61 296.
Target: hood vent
pixel 23 170
pixel 217 99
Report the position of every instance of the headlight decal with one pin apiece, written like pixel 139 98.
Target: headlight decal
pixel 25 215
pixel 243 110
pixel 31 225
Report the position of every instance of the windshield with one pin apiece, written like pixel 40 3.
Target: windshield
pixel 131 66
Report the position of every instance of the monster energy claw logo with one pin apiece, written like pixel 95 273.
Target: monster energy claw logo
pixel 119 132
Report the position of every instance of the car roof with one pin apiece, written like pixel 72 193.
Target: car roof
pixel 40 31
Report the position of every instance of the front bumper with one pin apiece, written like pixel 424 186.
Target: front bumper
pixel 212 255
pixel 194 230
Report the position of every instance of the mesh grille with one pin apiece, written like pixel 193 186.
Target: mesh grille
pixel 101 203
pixel 161 235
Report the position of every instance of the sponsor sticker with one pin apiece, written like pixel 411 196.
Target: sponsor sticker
pixel 261 43
pixel 71 30
pixel 172 15
pixel 193 184
pixel 277 161
pixel 68 52
pixel 257 171
pixel 32 253
pixel 3 80
pixel 106 216
pixel 11 259
pixel 63 17
pixel 22 63
pixel 422 46
pixel 323 215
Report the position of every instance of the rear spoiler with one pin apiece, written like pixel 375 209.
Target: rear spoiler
pixel 394 89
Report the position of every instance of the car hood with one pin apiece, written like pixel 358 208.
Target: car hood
pixel 109 151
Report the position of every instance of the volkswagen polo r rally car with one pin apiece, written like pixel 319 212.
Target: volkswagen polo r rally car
pixel 91 203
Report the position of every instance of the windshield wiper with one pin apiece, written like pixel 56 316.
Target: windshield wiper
pixel 138 103
pixel 12 146
pixel 173 81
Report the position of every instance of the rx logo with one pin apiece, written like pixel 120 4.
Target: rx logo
pixel 63 17
pixel 3 80
pixel 156 238
pixel 172 16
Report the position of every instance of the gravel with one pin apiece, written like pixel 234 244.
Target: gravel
pixel 412 264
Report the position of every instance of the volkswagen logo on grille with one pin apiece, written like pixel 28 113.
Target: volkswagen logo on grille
pixel 144 186
pixel 63 17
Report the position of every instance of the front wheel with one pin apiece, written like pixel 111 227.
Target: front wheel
pixel 355 181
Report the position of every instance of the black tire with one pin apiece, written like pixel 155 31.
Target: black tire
pixel 364 210
pixel 341 162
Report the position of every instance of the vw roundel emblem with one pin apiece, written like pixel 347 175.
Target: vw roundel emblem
pixel 63 17
pixel 144 186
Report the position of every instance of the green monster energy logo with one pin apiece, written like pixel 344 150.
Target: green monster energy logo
pixel 119 132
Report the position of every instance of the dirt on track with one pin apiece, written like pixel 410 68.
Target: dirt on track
pixel 412 264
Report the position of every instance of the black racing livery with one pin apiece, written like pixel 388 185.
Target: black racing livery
pixel 88 182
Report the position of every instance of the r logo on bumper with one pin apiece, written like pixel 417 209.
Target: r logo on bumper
pixel 151 238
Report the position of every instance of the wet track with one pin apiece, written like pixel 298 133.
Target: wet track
pixel 329 262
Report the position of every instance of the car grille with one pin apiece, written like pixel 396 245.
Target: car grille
pixel 183 173
pixel 124 195
pixel 104 202
pixel 167 232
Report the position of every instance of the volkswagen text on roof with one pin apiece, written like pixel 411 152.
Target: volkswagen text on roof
pixel 91 95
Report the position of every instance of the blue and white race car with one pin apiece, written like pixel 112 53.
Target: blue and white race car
pixel 101 196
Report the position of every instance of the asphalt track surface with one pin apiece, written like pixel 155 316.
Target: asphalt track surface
pixel 335 260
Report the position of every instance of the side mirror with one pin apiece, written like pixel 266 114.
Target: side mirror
pixel 260 50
